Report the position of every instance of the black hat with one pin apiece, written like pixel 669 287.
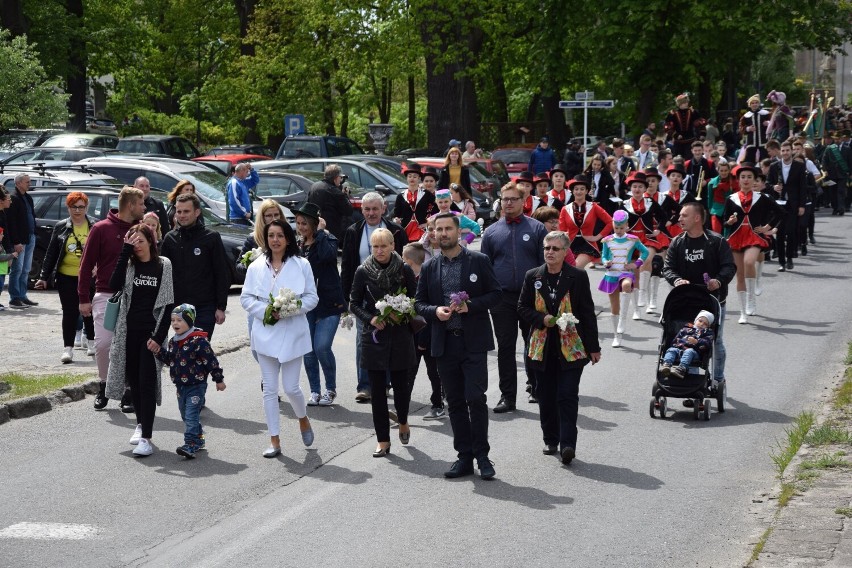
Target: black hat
pixel 558 168
pixel 544 139
pixel 652 171
pixel 579 179
pixel 308 209
pixel 676 168
pixel 431 172
pixel 411 169
pixel 542 178
pixel 637 177
pixel 526 176
pixel 750 167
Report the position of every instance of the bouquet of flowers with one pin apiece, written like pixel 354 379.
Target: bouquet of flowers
pixel 347 320
pixel 565 320
pixel 285 304
pixel 250 256
pixel 458 299
pixel 396 309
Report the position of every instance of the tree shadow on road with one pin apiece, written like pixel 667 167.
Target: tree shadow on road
pixel 613 474
pixel 793 327
pixel 587 423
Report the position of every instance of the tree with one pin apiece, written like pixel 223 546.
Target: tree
pixel 27 97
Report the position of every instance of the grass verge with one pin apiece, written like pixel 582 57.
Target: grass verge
pixel 796 435
pixel 758 548
pixel 23 386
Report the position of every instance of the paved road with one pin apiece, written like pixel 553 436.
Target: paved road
pixel 641 492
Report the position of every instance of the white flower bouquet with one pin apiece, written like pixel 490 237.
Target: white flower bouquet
pixel 565 320
pixel 396 309
pixel 347 320
pixel 250 256
pixel 285 304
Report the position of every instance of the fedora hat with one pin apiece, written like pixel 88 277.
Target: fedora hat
pixel 308 209
pixel 412 169
pixel 579 179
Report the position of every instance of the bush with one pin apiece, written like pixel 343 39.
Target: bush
pixel 177 125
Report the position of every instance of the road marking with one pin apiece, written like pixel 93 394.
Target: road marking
pixel 50 531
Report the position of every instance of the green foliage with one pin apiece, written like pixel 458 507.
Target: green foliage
pixel 826 462
pixel 796 435
pixel 27 96
pixel 24 385
pixel 161 123
pixel 828 433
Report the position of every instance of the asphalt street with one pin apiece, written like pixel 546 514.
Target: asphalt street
pixel 642 492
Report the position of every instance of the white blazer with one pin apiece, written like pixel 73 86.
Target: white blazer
pixel 290 337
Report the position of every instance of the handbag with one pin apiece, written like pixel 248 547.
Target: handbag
pixel 416 324
pixel 111 313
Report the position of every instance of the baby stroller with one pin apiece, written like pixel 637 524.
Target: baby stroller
pixel 682 306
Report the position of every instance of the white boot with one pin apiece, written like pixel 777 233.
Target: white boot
pixel 636 314
pixel 652 294
pixel 743 317
pixel 624 301
pixel 751 300
pixel 77 338
pixel 616 340
pixel 757 289
pixel 641 298
pixel 67 355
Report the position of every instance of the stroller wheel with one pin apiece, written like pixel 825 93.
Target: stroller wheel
pixel 653 408
pixel 707 410
pixel 696 408
pixel 662 408
pixel 721 396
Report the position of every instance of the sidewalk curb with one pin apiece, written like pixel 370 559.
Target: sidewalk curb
pixel 39 404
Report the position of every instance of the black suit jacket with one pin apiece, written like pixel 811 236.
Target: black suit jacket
pixel 794 190
pixel 444 181
pixel 480 282
pixel 350 259
pixel 576 283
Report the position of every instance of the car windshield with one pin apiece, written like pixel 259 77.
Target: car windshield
pixel 97 181
pixel 14 141
pixel 208 183
pixel 386 168
pixel 512 156
pixel 139 147
pixel 67 141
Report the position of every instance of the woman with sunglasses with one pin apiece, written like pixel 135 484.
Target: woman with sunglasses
pixel 61 268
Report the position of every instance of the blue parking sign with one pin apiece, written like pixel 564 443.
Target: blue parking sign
pixel 294 124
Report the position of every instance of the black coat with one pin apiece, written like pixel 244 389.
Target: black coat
pixel 16 218
pixel 322 255
pixel 444 181
pixel 350 258
pixel 393 348
pixel 334 205
pixel 795 190
pixel 574 282
pixel 715 260
pixel 157 207
pixel 57 248
pixel 423 209
pixel 480 282
pixel 199 266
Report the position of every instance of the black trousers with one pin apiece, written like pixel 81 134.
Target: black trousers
pixel 140 373
pixel 379 400
pixel 436 397
pixel 464 375
pixel 506 325
pixel 67 288
pixel 558 404
pixel 787 238
pixel 753 152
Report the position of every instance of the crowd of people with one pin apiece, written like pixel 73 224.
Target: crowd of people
pixel 689 213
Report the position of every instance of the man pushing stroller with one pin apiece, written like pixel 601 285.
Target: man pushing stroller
pixel 692 342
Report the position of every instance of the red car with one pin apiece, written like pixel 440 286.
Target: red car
pixel 227 162
pixel 516 158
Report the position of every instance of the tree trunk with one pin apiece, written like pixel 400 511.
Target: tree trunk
pixel 385 100
pixel 554 124
pixel 327 100
pixel 245 13
pixel 451 105
pixel 412 115
pixel 704 92
pixel 343 97
pixel 12 17
pixel 645 106
pixel 77 62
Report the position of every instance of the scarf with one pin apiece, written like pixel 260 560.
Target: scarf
pixel 389 277
pixel 638 206
pixel 745 201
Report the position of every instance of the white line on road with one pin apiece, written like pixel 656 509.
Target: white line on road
pixel 50 531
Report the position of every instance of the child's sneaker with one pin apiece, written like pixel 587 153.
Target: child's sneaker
pixel 679 371
pixel 78 337
pixel 665 369
pixel 313 400
pixel 201 443
pixel 327 398
pixel 187 451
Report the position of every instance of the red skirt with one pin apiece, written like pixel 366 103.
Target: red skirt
pixel 659 242
pixel 745 237
pixel 674 230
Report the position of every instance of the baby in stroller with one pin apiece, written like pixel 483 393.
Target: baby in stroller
pixel 692 342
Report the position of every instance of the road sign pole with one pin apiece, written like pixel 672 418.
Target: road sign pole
pixel 585 129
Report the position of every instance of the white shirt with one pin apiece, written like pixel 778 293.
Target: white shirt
pixel 665 185
pixel 364 249
pixel 785 170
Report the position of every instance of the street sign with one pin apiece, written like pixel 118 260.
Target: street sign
pixel 572 104
pixel 600 104
pixel 585 102
pixel 584 96
pixel 294 124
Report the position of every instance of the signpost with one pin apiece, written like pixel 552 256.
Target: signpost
pixel 294 124
pixel 585 102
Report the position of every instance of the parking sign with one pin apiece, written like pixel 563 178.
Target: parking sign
pixel 294 124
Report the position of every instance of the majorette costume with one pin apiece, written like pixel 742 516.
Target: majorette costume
pixel 620 251
pixel 682 126
pixel 756 138
pixel 779 118
pixel 558 198
pixel 672 202
pixel 717 193
pixel 536 201
pixel 532 201
pixel 419 204
pixel 582 220
pixel 645 216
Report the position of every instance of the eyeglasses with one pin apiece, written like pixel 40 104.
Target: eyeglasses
pixel 510 199
pixel 554 249
pixel 78 207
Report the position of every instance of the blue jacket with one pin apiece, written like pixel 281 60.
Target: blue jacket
pixel 239 195
pixel 191 359
pixel 541 160
pixel 323 258
pixel 514 250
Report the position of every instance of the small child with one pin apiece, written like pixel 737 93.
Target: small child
pixel 414 255
pixel 153 220
pixel 617 257
pixel 190 359
pixel 431 246
pixel 691 343
pixel 470 229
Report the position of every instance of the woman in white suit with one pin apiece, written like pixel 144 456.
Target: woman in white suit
pixel 280 345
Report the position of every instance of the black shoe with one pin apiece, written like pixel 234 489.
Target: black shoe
pixel 18 304
pixel 533 399
pixel 504 406
pixel 782 269
pixel 127 404
pixel 789 265
pixel 101 399
pixel 486 468
pixel 567 455
pixel 688 403
pixel 549 449
pixel 813 240
pixel 29 302
pixel 804 250
pixel 459 469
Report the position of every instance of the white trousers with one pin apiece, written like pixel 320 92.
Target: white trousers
pixel 103 336
pixel 270 369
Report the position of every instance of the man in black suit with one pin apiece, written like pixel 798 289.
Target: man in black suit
pixel 332 198
pixel 356 249
pixel 787 179
pixel 461 339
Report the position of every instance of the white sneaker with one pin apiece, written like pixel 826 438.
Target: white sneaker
pixel 143 448
pixel 313 400
pixel 616 341
pixel 327 399
pixel 77 339
pixel 90 347
pixel 67 355
pixel 137 435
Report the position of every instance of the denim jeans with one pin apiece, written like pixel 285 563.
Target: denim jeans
pixel 719 353
pixel 2 282
pixel 686 357
pixel 19 275
pixel 190 402
pixel 322 336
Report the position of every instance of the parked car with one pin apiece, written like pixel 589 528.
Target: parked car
pixel 159 144
pixel 100 126
pixel 81 141
pixel 54 154
pixel 480 185
pixel 49 208
pixel 14 140
pixel 290 188
pixel 256 149
pixel 497 170
pixel 515 158
pixel 46 177
pixel 225 163
pixel 304 146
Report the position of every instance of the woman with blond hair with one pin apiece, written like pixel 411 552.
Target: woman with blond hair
pixel 454 171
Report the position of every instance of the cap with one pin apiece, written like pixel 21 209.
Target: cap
pixel 187 312
pixel 705 314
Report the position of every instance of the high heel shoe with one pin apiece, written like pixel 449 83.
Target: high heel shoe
pixel 382 452
pixel 404 437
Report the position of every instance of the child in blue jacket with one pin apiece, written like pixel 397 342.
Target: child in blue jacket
pixel 692 342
